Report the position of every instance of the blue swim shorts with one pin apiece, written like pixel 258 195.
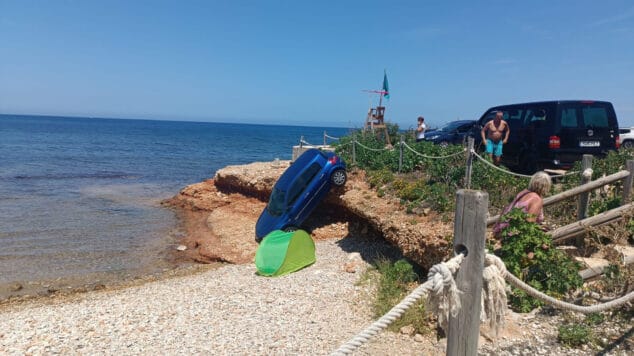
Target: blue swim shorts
pixel 494 148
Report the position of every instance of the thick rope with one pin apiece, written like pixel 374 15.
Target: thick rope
pixel 370 148
pixel 493 294
pixel 516 174
pixel 615 303
pixel 432 157
pixel 473 152
pixel 440 282
pixel 302 141
pixel 331 137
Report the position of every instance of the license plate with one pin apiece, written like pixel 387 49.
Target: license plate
pixel 589 144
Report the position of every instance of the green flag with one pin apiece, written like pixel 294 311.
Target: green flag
pixel 386 86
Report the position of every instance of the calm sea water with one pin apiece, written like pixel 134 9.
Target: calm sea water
pixel 79 197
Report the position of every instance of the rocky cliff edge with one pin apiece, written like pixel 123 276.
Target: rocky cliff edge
pixel 219 216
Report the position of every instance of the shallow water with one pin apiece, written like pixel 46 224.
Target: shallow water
pixel 80 198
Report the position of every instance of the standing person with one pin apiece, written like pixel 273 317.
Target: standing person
pixel 420 130
pixel 530 200
pixel 492 134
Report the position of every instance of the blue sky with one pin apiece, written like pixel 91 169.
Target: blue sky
pixel 307 62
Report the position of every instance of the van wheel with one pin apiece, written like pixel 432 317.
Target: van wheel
pixel 628 144
pixel 290 228
pixel 339 177
pixel 443 144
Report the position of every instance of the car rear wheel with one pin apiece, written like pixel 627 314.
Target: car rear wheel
pixel 628 144
pixel 339 177
pixel 290 228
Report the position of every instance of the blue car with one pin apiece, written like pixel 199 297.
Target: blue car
pixel 299 189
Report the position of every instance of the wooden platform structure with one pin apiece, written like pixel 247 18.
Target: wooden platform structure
pixel 375 123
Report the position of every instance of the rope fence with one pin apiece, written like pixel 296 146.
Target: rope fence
pixel 431 157
pixel 441 291
pixel 447 295
pixel 409 148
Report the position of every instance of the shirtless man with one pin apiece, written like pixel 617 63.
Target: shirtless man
pixel 494 130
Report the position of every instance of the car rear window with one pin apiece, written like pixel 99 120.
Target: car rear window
pixel 585 115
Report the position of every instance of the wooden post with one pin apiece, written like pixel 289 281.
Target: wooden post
pixel 400 155
pixel 324 137
pixel 469 236
pixel 354 150
pixel 627 183
pixel 469 162
pixel 301 141
pixel 582 209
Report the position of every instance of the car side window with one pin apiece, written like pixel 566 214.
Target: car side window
pixel 300 184
pixel 535 118
pixel 514 117
pixel 464 128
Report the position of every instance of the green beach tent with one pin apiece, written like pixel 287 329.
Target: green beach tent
pixel 283 252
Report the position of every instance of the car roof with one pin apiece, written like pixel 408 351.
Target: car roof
pixel 461 121
pixel 553 102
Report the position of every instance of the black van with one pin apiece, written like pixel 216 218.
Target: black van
pixel 554 134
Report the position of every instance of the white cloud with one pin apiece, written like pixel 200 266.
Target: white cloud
pixel 622 16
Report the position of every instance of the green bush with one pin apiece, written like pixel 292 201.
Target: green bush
pixel 574 334
pixel 380 177
pixel 395 283
pixel 529 254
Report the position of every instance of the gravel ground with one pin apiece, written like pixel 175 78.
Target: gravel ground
pixel 231 310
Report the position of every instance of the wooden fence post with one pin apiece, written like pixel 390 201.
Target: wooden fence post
pixel 469 236
pixel 582 210
pixel 325 137
pixel 400 155
pixel 469 162
pixel 627 182
pixel 354 150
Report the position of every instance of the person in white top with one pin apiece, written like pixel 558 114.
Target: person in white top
pixel 420 130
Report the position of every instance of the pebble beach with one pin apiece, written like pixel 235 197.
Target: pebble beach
pixel 231 310
pixel 225 311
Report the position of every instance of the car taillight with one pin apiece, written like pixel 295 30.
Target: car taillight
pixel 617 142
pixel 333 159
pixel 554 142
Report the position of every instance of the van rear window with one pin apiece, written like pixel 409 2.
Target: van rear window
pixel 595 117
pixel 583 116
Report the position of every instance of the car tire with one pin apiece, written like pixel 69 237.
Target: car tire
pixel 443 144
pixel 339 177
pixel 290 228
pixel 627 144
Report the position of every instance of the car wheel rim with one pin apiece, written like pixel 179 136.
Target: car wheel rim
pixel 338 178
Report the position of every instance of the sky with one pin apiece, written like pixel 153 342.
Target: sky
pixel 309 62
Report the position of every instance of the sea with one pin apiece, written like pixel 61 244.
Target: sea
pixel 80 197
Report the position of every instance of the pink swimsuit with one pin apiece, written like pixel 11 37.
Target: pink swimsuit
pixel 499 226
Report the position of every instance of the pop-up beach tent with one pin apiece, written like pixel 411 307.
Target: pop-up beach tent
pixel 282 252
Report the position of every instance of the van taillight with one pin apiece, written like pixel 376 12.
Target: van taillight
pixel 617 142
pixel 554 142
